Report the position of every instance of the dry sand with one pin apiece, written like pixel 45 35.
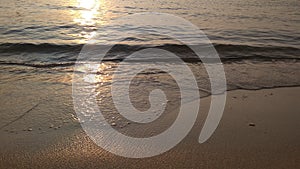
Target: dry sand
pixel 259 129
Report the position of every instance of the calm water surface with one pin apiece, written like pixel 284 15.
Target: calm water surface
pixel 53 31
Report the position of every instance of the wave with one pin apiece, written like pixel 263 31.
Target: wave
pixel 264 52
pixel 39 48
pixel 39 65
pixel 65 55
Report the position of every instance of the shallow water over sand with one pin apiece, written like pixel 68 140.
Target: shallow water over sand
pixel 50 88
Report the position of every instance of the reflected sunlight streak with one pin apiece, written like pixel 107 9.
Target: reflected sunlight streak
pixel 88 4
pixel 97 74
pixel 86 16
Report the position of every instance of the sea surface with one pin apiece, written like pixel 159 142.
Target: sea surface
pixel 258 41
pixel 43 32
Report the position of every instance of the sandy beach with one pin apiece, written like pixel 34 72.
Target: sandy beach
pixel 259 129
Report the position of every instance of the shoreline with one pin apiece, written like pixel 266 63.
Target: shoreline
pixel 259 129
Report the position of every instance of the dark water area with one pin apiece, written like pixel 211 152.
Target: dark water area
pixel 49 54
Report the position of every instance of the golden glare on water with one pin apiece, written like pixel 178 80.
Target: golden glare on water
pixel 87 16
pixel 97 76
pixel 88 4
pixel 91 14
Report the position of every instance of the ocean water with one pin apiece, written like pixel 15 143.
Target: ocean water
pixel 40 31
pixel 258 41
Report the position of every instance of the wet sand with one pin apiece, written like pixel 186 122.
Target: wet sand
pixel 259 129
